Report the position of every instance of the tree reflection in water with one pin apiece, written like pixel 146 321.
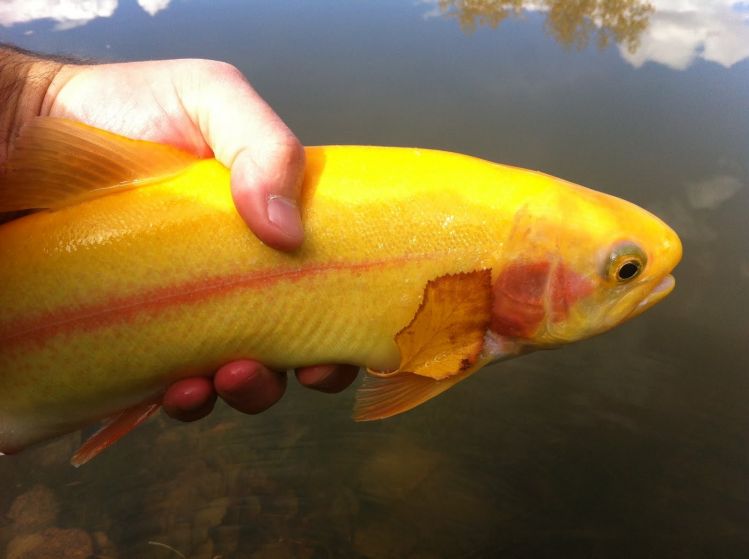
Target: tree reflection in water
pixel 571 22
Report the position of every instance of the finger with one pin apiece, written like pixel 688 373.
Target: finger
pixel 246 135
pixel 248 386
pixel 327 378
pixel 189 399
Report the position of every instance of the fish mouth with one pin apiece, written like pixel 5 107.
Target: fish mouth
pixel 658 293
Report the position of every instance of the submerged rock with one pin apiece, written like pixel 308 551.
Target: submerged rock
pixel 105 549
pixel 283 549
pixel 382 539
pixel 396 471
pixel 52 543
pixel 36 508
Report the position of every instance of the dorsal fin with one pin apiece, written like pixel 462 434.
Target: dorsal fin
pixel 58 162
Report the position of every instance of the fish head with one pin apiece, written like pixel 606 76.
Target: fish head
pixel 593 262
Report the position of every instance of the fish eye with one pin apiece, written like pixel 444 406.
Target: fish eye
pixel 625 262
pixel 628 270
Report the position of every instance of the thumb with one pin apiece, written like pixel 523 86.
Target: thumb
pixel 265 158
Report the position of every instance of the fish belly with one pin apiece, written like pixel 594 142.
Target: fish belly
pixel 64 376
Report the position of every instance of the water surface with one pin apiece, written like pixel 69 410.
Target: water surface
pixel 633 444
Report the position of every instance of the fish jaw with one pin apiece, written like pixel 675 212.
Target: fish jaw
pixel 662 289
pixel 669 252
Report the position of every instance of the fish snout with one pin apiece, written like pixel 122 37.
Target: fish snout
pixel 669 251
pixel 665 258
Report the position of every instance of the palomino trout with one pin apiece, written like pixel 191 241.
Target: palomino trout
pixel 421 266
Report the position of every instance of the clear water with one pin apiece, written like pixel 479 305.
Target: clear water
pixel 633 444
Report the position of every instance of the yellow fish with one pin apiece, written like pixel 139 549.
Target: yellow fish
pixel 420 265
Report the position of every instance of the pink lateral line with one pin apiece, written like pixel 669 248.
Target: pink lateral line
pixel 85 319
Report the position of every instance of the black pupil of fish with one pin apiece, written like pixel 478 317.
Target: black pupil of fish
pixel 628 270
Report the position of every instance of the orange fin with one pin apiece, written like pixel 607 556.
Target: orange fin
pixel 381 397
pixel 440 347
pixel 115 428
pixel 58 162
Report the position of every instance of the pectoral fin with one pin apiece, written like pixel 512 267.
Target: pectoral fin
pixel 58 162
pixel 381 397
pixel 440 347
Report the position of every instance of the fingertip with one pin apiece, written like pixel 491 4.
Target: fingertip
pixel 327 378
pixel 283 214
pixel 189 399
pixel 248 386
pixel 265 195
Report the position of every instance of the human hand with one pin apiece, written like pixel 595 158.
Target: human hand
pixel 207 108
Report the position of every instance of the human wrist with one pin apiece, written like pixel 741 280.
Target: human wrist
pixel 24 82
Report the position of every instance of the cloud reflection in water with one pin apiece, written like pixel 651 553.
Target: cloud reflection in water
pixel 66 13
pixel 673 33
pixel 682 31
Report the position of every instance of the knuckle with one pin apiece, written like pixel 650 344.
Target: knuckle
pixel 288 151
pixel 216 68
